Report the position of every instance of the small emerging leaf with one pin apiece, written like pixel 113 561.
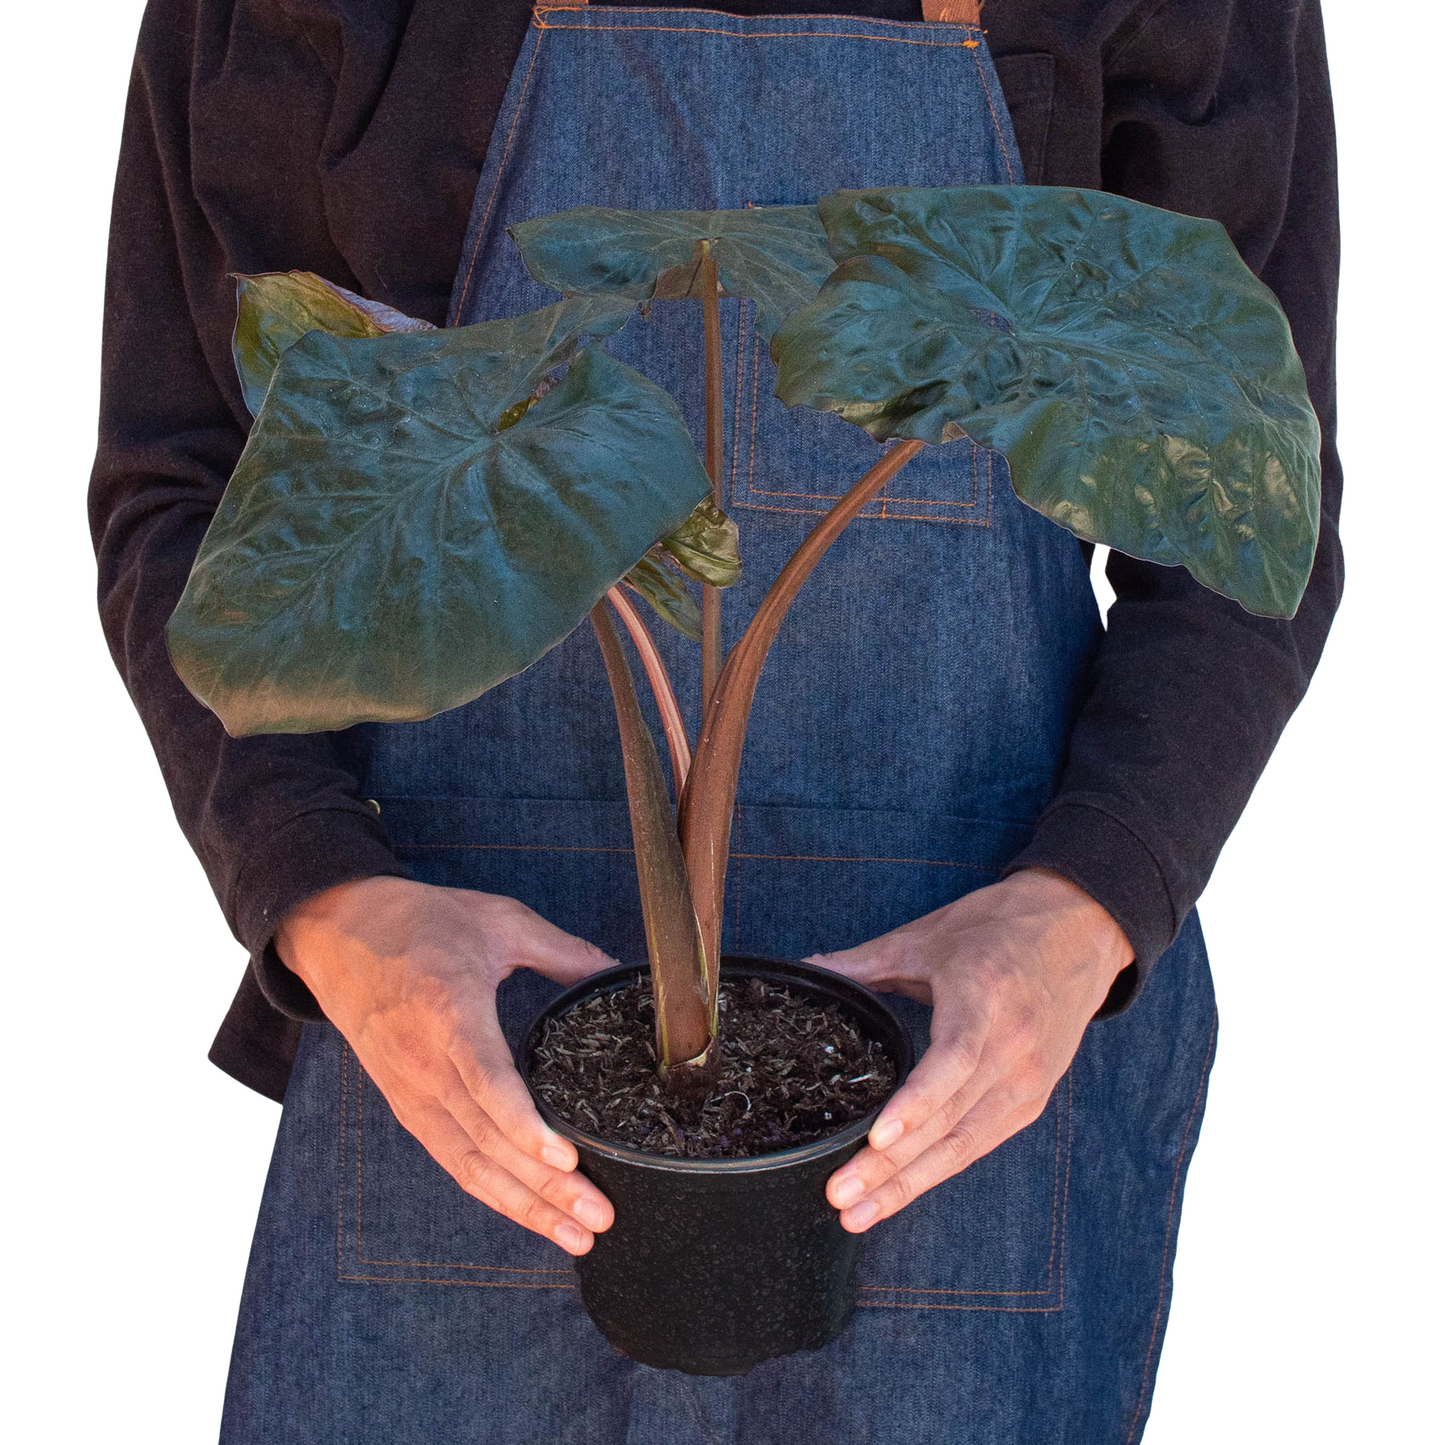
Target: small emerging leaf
pixel 516 412
pixel 706 545
pixel 776 256
pixel 655 580
pixel 276 309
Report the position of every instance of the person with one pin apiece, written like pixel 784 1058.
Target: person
pixel 958 787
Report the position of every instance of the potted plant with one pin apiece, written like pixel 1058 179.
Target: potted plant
pixel 420 514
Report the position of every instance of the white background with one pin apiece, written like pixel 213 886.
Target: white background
pixel 1308 1277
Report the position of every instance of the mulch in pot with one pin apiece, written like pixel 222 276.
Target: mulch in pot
pixel 793 1070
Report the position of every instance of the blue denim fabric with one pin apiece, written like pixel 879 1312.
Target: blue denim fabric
pixel 908 730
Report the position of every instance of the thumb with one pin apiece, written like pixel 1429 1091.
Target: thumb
pixel 559 955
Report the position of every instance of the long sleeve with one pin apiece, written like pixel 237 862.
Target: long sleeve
pixel 273 819
pixel 1220 110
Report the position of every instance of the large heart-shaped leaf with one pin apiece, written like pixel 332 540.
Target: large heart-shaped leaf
pixel 1140 380
pixel 387 548
pixel 276 309
pixel 776 256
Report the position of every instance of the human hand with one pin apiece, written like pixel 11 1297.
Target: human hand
pixel 1014 972
pixel 408 973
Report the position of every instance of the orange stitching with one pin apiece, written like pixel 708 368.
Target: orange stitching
pixel 507 848
pixel 341 1159
pixel 880 1304
pixel 738 892
pixel 902 501
pixel 921 501
pixel 738 408
pixel 360 1088
pixel 1170 1228
pixel 876 516
pixel 753 432
pixel 767 35
pixel 1057 1233
pixel 672 10
pixel 364 1259
pixel 840 858
pixel 997 129
pixel 464 1283
pixel 501 171
pixel 1058 1145
pixel 764 857
pixel 1068 1171
pixel 449 1264
pixel 984 1293
pixel 883 514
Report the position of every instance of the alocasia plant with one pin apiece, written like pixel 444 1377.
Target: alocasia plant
pixel 420 514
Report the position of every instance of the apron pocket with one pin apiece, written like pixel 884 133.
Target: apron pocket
pixel 802 461
pixel 991 1238
pixel 401 1218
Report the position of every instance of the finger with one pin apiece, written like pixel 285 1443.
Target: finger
pixel 863 965
pixel 557 954
pixel 947 1065
pixel 994 1119
pixel 582 1199
pixel 870 1167
pixel 869 963
pixel 485 1065
pixel 484 1179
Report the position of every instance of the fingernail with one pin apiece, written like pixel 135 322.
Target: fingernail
pixel 591 1213
pixel 557 1156
pixel 861 1215
pixel 572 1237
pixel 846 1191
pixel 886 1132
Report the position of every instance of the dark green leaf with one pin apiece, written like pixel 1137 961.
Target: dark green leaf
pixel 776 256
pixel 277 308
pixel 385 551
pixel 706 545
pixel 1140 380
pixel 655 580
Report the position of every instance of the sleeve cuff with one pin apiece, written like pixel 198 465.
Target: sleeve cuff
pixel 1085 842
pixel 309 854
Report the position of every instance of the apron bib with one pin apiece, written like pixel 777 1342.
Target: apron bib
pixel 908 731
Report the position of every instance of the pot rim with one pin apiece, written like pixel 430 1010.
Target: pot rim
pixel 613 978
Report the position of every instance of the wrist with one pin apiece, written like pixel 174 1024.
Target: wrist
pixel 310 932
pixel 1094 935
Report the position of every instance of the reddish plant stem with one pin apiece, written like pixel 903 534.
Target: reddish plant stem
pixel 673 727
pixel 712 658
pixel 706 814
pixel 685 1016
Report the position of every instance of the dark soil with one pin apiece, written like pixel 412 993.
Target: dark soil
pixel 793 1070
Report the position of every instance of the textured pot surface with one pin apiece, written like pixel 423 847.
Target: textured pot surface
pixel 714 1265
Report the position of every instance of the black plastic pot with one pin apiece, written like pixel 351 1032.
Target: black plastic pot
pixel 714 1265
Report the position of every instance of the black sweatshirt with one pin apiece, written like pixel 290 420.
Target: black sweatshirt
pixel 345 137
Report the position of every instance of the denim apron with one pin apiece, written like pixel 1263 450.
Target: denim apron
pixel 908 730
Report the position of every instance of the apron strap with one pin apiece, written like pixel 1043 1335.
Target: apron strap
pixel 952 12
pixel 936 12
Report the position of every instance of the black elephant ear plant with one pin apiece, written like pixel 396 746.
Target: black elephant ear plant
pixel 420 514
